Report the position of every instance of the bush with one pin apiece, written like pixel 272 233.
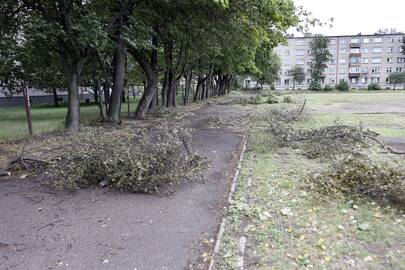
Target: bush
pixel 140 161
pixel 328 88
pixel 342 86
pixel 374 86
pixel 315 86
pixel 359 175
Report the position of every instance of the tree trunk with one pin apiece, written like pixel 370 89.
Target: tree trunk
pixel 55 97
pixel 150 67
pixel 118 84
pixel 27 104
pixel 189 79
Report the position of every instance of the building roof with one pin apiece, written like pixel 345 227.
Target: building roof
pixel 358 35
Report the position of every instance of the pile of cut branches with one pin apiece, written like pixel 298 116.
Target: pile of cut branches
pixel 381 181
pixel 134 160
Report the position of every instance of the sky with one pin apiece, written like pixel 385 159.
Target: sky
pixel 356 16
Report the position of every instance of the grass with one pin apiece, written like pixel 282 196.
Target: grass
pixel 45 119
pixel 290 226
pixel 380 111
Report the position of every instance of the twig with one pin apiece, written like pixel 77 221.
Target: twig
pixel 302 108
pixel 392 151
pixel 49 224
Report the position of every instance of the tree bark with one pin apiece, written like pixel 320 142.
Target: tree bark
pixel 118 85
pixel 150 67
pixel 27 104
pixel 189 79
pixel 55 97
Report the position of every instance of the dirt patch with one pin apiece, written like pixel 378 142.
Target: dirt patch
pixel 106 229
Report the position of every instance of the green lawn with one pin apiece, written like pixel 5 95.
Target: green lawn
pixel 380 111
pixel 13 123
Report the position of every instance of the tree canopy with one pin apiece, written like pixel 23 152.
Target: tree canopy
pixel 164 45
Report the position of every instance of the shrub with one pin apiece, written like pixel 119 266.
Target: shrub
pixel 342 86
pixel 374 86
pixel 327 88
pixel 315 86
pixel 140 161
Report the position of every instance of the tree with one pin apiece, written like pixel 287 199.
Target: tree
pixel 403 45
pixel 268 65
pixel 397 78
pixel 320 56
pixel 297 75
pixel 73 30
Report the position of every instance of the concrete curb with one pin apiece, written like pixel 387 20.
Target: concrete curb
pixel 232 191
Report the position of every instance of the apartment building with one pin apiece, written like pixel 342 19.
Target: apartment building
pixel 358 59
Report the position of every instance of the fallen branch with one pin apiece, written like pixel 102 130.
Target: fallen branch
pixel 302 108
pixel 392 151
pixel 26 163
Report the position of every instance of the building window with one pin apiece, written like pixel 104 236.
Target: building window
pixel 390 49
pixel 342 41
pixel 364 70
pixel 398 69
pixel 309 71
pixel 342 51
pixel 354 69
pixel 354 80
pixel 389 69
pixel 387 80
pixel 300 62
pixel 377 40
pixel 332 71
pixel 287 82
pixel 364 80
pixel 287 52
pixel 300 42
pixel 364 50
pixel 366 40
pixel 376 60
pixel 331 80
pixel 377 50
pixel 400 59
pixel 376 70
pixel 375 79
pixel 342 61
pixel 299 52
pixel 400 49
pixel 390 60
pixel 342 71
pixel 355 60
pixel 355 40
pixel 355 50
pixel 365 60
pixel 332 52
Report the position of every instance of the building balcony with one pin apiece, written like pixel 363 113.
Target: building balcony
pixel 354 74
pixel 354 64
pixel 355 55
pixel 355 45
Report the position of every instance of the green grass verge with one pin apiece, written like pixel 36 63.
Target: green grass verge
pixel 13 123
pixel 289 226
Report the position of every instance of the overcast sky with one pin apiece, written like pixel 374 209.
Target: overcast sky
pixel 355 16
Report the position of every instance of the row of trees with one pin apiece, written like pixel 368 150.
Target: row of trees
pixel 106 45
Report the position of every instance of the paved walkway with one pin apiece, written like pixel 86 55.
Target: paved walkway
pixel 106 229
